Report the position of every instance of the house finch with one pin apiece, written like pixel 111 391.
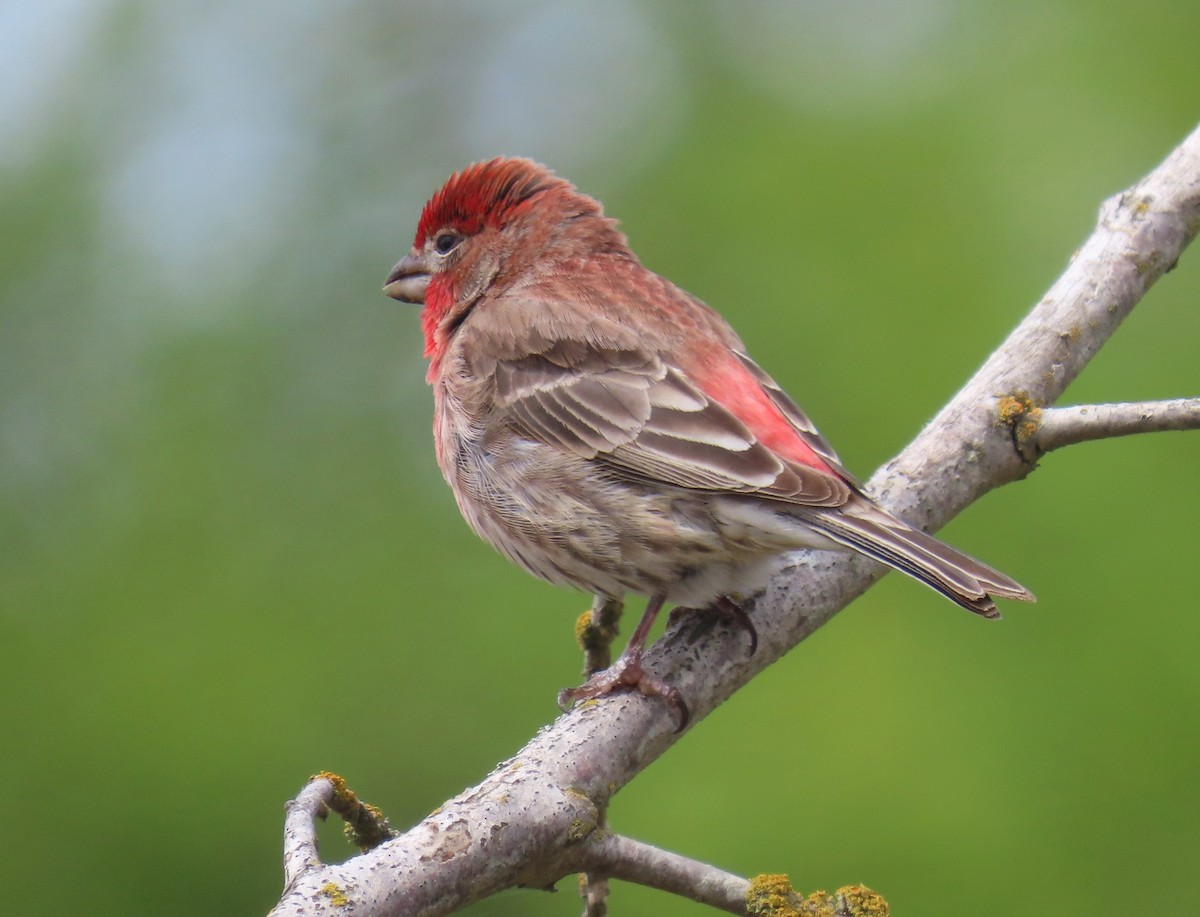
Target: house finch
pixel 603 429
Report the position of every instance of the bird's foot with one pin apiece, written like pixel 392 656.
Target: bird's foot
pixel 731 611
pixel 723 609
pixel 627 672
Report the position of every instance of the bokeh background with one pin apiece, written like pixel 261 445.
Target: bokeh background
pixel 227 559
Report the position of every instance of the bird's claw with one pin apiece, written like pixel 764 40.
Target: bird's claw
pixel 627 672
pixel 730 610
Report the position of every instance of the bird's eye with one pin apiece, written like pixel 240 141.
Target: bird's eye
pixel 446 242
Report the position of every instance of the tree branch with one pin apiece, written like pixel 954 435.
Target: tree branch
pixel 1058 427
pixel 595 631
pixel 528 821
pixel 300 854
pixel 617 857
pixel 594 891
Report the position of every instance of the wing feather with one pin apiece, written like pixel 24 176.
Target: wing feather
pixel 796 417
pixel 647 421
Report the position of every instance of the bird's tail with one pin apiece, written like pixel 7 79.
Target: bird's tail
pixel 866 528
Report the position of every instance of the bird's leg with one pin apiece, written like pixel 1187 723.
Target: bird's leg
pixel 627 671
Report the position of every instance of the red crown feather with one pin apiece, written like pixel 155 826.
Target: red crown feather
pixel 485 194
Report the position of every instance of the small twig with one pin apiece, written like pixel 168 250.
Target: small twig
pixel 594 886
pixel 595 630
pixel 620 857
pixel 594 891
pixel 300 829
pixel 1058 427
pixel 366 827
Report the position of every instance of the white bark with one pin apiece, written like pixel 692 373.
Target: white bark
pixel 535 818
pixel 1058 427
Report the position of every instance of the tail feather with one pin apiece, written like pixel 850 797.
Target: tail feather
pixel 869 530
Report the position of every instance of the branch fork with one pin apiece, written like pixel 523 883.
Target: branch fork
pixel 539 816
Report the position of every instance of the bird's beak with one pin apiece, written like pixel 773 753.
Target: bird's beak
pixel 408 278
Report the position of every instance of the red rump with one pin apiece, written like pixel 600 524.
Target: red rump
pixel 725 380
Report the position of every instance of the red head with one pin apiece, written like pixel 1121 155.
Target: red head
pixel 484 227
pixel 485 194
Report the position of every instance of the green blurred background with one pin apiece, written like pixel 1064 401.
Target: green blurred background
pixel 227 558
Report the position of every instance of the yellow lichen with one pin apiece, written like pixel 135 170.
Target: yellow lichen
pixel 596 628
pixel 374 811
pixel 819 904
pixel 579 829
pixel 1012 407
pixel 585 632
pixel 365 825
pixel 1019 413
pixel 772 895
pixel 334 893
pixel 860 901
pixel 340 790
pixel 582 827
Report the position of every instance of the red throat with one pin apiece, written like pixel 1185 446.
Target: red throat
pixel 439 297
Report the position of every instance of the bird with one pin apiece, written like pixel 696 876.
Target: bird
pixel 604 429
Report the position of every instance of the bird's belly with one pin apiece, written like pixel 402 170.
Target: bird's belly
pixel 574 522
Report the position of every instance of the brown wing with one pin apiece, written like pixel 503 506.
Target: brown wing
pixel 646 420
